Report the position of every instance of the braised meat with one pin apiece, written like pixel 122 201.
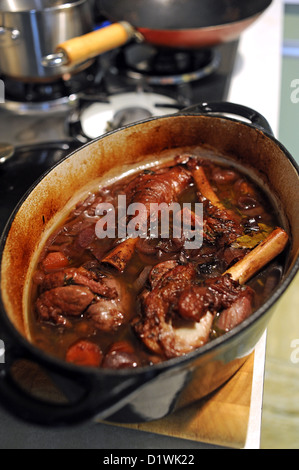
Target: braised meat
pixel 74 291
pixel 148 188
pixel 176 295
pixel 80 276
pixel 126 301
pixel 213 296
pixel 160 306
pixel 55 304
pixel 157 187
pixel 219 228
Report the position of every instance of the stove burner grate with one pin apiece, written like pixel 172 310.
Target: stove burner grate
pixel 23 96
pixel 166 66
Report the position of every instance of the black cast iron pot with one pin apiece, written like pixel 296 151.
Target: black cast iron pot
pixel 147 393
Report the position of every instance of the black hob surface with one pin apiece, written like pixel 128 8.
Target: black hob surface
pixel 24 168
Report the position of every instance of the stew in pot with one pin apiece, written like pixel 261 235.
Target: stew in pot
pixel 114 289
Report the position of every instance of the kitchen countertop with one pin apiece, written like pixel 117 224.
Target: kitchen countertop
pixel 255 83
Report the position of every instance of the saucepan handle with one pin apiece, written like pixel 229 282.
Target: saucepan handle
pixel 233 109
pixel 26 406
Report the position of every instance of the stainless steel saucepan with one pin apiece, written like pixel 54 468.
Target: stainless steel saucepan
pixel 31 29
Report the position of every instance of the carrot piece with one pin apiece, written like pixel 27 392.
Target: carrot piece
pixel 54 261
pixel 84 353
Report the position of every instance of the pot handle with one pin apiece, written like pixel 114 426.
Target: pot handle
pixel 77 50
pixel 232 109
pixel 24 405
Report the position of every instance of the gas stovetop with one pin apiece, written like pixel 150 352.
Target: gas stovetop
pixel 45 122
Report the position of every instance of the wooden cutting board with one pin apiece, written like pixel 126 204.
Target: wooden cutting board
pixel 221 419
